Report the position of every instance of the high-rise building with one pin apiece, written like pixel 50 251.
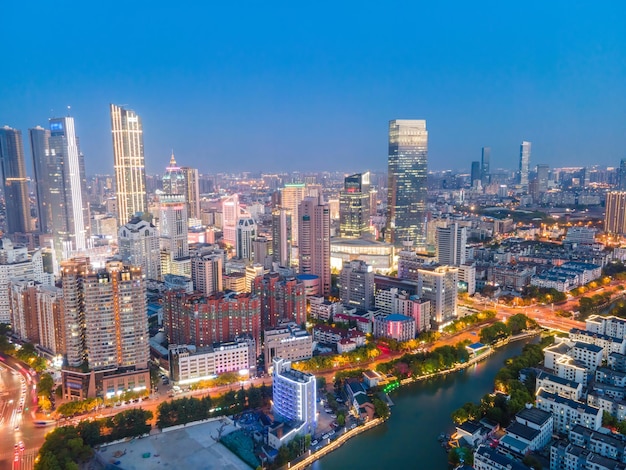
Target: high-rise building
pixel 246 233
pixel 51 318
pixel 192 191
pixel 203 320
pixel 129 164
pixel 206 272
pixel 230 216
pixel 17 262
pixel 283 299
pixel 543 172
pixel 174 178
pixel 354 206
pixel 282 236
pixel 407 189
pixel 290 198
pixel 622 175
pixel 485 171
pixel 439 286
pixel 314 244
pixel 615 215
pixel 17 204
pixel 47 179
pixel 105 315
pixel 524 163
pixel 356 285
pixel 138 243
pixel 23 307
pixel 475 175
pixel 63 186
pixel 294 401
pixel 174 231
pixel 451 244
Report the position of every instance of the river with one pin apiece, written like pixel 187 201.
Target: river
pixel 408 440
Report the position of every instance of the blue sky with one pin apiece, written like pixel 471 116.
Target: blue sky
pixel 283 86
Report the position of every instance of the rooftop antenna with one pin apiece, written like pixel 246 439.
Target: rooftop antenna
pixel 68 110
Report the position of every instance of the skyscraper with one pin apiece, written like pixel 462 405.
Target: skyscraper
pixel 138 242
pixel 484 166
pixel 451 244
pixel 17 204
pixel 622 175
pixel 230 216
pixel 48 185
pixel 356 285
pixel 615 215
pixel 281 236
pixel 129 164
pixel 314 236
pixel 174 178
pixel 192 191
pixel 354 206
pixel 542 178
pixel 290 197
pixel 524 163
pixel 475 176
pixel 246 233
pixel 67 187
pixel 407 190
pixel 174 231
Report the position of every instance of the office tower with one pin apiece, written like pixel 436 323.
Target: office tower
pixel 63 189
pixel 16 202
pixel 174 231
pixel 206 272
pixel 17 262
pixel 129 164
pixel 230 216
pixel 138 243
pixel 484 166
pixel 283 299
pixel 354 206
pixel 439 286
pixel 105 315
pixel 46 179
pixel 192 191
pixel 174 178
pixel 294 400
pixel 407 189
pixel 356 285
pixel 475 176
pixel 203 320
pixel 622 175
pixel 261 247
pixel 290 198
pixel 282 231
pixel 314 244
pixel 542 178
pixel 246 233
pixel 524 163
pixel 615 215
pixel 451 244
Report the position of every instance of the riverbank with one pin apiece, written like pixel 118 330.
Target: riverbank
pixel 314 456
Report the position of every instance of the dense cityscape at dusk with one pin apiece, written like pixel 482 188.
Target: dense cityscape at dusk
pixel 278 238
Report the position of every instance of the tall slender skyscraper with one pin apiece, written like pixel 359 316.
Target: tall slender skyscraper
pixel 192 191
pixel 622 175
pixel 290 197
pixel 484 166
pixel 14 181
pixel 314 236
pixel 615 214
pixel 282 230
pixel 47 173
pixel 354 206
pixel 524 163
pixel 475 176
pixel 70 225
pixel 407 190
pixel 174 178
pixel 129 164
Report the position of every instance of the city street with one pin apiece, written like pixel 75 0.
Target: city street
pixel 17 412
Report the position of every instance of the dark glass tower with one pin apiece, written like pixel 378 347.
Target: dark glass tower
pixel 354 206
pixel 407 190
pixel 484 166
pixel 17 205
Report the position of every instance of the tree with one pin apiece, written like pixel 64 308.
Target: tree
pixel 44 403
pixel 63 449
pixel 341 419
pixel 381 409
pixel 45 385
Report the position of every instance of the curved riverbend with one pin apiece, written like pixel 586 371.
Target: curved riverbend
pixel 421 412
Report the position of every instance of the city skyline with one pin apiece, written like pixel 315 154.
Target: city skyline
pixel 302 98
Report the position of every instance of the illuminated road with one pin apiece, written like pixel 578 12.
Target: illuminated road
pixel 17 391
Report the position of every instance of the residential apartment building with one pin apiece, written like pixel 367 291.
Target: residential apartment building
pixel 288 342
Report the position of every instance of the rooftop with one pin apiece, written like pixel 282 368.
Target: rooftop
pixel 535 415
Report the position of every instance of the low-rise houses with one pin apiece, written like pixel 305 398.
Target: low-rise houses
pixel 568 413
pixel 531 430
pixel 486 458
pixel 332 335
pixel 559 386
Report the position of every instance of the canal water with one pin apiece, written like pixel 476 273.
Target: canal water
pixel 408 440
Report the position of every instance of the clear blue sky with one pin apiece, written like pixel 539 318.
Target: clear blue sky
pixel 311 85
